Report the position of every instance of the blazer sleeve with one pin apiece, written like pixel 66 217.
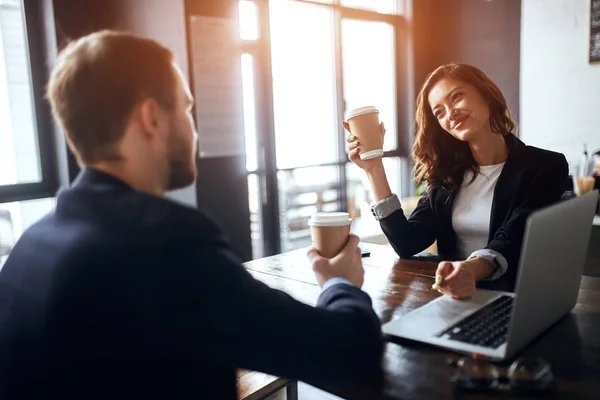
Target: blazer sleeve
pixel 409 236
pixel 545 189
pixel 223 316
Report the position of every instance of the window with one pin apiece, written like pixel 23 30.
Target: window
pixel 304 96
pixel 306 123
pixel 303 192
pixel 303 68
pixel 370 71
pixel 248 20
pixel 254 203
pixel 249 98
pixel 19 154
pixel 27 182
pixel 380 6
pixel 360 196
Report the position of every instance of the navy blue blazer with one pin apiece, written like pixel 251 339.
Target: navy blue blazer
pixel 531 179
pixel 119 294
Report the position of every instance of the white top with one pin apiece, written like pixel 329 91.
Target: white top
pixel 472 209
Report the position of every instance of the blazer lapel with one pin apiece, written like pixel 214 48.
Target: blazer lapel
pixel 508 183
pixel 449 247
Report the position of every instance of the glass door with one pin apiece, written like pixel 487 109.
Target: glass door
pixel 304 63
pixel 369 78
pixel 305 116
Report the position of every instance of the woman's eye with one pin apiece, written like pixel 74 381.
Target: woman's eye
pixel 456 96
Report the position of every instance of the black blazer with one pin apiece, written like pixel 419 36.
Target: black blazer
pixel 532 178
pixel 118 294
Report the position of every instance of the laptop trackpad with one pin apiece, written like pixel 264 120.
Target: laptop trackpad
pixel 438 315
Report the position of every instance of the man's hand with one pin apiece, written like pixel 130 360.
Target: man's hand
pixel 347 264
pixel 457 279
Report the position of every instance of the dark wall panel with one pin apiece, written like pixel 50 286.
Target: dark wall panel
pixel 484 33
pixel 490 38
pixel 222 184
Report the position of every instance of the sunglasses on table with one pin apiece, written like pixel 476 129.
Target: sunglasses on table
pixel 523 375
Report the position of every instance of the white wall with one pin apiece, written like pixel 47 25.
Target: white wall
pixel 560 90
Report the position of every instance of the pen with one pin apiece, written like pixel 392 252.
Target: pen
pixel 438 280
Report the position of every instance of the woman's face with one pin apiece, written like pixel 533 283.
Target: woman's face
pixel 460 109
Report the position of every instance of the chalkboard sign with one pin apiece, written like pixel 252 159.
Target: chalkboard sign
pixel 595 31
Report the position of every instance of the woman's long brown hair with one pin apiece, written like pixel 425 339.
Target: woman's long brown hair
pixel 440 159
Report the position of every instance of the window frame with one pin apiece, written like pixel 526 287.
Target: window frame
pixel 39 32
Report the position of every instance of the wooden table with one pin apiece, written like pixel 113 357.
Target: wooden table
pixel 253 385
pixel 418 371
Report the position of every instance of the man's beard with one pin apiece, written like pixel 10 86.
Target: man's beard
pixel 181 175
pixel 182 168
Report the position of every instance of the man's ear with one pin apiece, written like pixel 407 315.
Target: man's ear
pixel 151 117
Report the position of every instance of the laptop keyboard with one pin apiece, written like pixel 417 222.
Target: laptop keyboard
pixel 488 327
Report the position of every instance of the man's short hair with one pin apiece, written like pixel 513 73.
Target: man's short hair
pixel 96 84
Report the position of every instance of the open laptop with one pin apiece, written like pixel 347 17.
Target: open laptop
pixel 495 325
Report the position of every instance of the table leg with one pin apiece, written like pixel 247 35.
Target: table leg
pixel 292 391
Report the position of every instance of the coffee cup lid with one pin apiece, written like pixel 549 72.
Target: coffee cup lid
pixel 330 219
pixel 362 110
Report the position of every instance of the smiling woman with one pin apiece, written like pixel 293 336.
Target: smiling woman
pixel 482 182
pixel 459 109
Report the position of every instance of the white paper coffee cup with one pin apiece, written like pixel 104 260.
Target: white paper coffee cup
pixel 330 232
pixel 364 124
